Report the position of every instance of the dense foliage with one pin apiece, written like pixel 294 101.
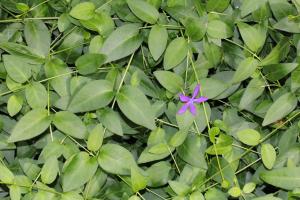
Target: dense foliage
pixel 90 90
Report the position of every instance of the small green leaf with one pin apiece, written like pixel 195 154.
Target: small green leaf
pixel 14 105
pixel 195 27
pixel 249 187
pixel 179 188
pixel 278 71
pixel 245 69
pixel 288 25
pixel 6 175
pixel 83 11
pixel 268 155
pixel 248 6
pixel 111 120
pixel 287 178
pixel 217 5
pixel 170 81
pixel 50 170
pixel 14 192
pixel 134 104
pixel 16 68
pixel 138 180
pixel 175 53
pixel 36 95
pixel 249 136
pixel 30 125
pixel 78 170
pixel 143 10
pixel 280 108
pixel 89 63
pixel 70 124
pixel 116 159
pixel 212 87
pixel 157 41
pixel 219 29
pixel 121 42
pixel 95 138
pixel 235 192
pixel 92 96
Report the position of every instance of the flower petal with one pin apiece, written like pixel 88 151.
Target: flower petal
pixel 200 99
pixel 196 91
pixel 193 109
pixel 184 98
pixel 183 108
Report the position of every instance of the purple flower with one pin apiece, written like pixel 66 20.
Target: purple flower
pixel 189 102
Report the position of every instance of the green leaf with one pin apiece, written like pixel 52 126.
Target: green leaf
pixel 178 138
pixel 195 27
pixel 93 95
pixel 37 36
pixel 50 170
pixel 111 120
pixel 214 193
pixel 158 174
pixel 211 87
pixel 6 175
pixel 280 108
pixel 169 80
pixel 249 187
pixel 71 196
pixel 95 138
pixel 295 79
pixel 245 69
pixel 288 24
pixel 14 105
pixel 248 6
pixel 83 11
pixel 30 125
pixel 268 155
pixel 116 159
pixel 219 29
pixel 89 63
pixel 253 36
pixel 14 192
pixel 287 178
pixel 217 5
pixel 143 10
pixel 253 90
pixel 16 68
pixel 70 124
pixel 267 197
pixel 36 95
pixel 249 136
pixel 138 180
pixel 157 41
pixel 179 187
pixel 124 41
pixel 78 170
pixel 175 53
pixel 134 104
pixel 278 71
pixel 197 195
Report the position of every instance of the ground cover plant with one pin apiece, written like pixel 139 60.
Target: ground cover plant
pixel 149 99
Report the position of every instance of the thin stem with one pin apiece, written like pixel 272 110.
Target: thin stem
pixel 173 159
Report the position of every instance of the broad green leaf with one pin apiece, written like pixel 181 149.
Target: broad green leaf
pixel 195 27
pixel 169 80
pixel 49 170
pixel 217 5
pixel 245 69
pixel 158 174
pixel 157 41
pixel 268 155
pixel 280 108
pixel 278 53
pixel 63 22
pixel 70 124
pixel 212 52
pixel 276 72
pixel 235 192
pixel 197 195
pixel 249 136
pixel 16 68
pixel 287 178
pixel 95 138
pixel 6 175
pixel 134 197
pixel 95 184
pixel 253 90
pixel 37 36
pixel 253 36
pixel 116 159
pixel 78 170
pixel 138 179
pixel 111 120
pixel 30 125
pixel 71 196
pixel 295 79
pixel 211 87
pixel 93 95
pixel 134 104
pixel 14 105
pixel 83 11
pixel 143 10
pixel 267 197
pixel 89 63
pixel 179 187
pixel 214 193
pixel 288 24
pixel 36 95
pixel 175 53
pixel 248 6
pixel 124 41
pixel 249 187
pixel 219 29
pixel 178 138
pixel 14 192
pixel 96 44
